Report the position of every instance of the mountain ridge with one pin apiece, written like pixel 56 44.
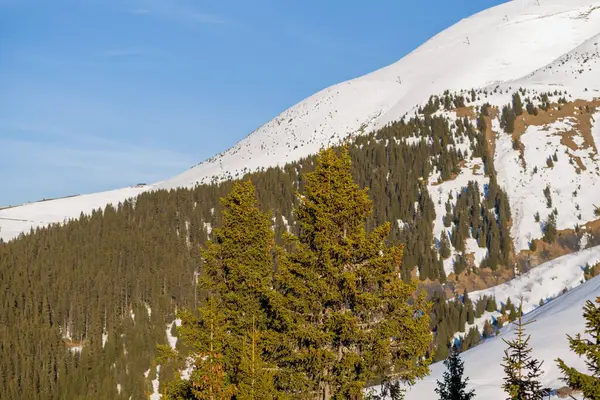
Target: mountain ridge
pixel 373 100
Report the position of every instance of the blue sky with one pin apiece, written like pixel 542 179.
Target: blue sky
pixel 100 94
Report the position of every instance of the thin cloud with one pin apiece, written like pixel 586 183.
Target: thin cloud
pixel 140 11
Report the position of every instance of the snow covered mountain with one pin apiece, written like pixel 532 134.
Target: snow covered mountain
pixel 522 43
pixel 501 44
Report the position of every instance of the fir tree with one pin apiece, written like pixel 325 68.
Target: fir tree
pixel 351 317
pixel 550 230
pixel 522 371
pixel 209 379
pixel 517 104
pixel 453 386
pixel 238 278
pixel 444 246
pixel 488 329
pixel 255 376
pixel 588 383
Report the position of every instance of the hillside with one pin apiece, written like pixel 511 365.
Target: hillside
pixel 480 148
pixel 553 321
pixel 503 44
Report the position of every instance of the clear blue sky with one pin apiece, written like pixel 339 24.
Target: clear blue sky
pixel 100 94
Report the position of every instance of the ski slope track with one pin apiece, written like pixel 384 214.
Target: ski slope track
pixel 552 323
pixel 507 44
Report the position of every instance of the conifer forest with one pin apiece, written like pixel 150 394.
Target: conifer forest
pixel 316 280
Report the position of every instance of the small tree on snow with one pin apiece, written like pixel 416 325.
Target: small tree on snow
pixel 453 387
pixel 522 371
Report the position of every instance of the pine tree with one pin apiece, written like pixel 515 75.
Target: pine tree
pixel 522 370
pixel 238 278
pixel 517 104
pixel 344 293
pixel 453 387
pixel 444 246
pixel 488 329
pixel 209 379
pixel 255 377
pixel 550 230
pixel 588 383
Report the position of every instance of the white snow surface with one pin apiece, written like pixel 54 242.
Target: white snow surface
pixel 552 322
pixel 545 281
pixel 155 395
pixel 573 191
pixel 513 43
pixel 503 43
pixel 170 338
pixel 16 220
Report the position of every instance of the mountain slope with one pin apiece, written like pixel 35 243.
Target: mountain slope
pixel 16 220
pixel 502 44
pixel 552 322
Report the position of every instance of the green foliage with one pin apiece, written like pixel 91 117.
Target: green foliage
pixel 522 371
pixel 507 119
pixel 345 300
pixel 550 230
pixel 488 330
pixel 453 386
pixel 238 280
pixel 471 339
pixel 449 317
pixel 548 196
pixel 588 383
pixel 444 246
pixel 517 104
pixel 255 376
pixel 208 336
pixel 531 109
pixel 87 276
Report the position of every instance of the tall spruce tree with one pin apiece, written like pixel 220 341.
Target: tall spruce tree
pixel 444 245
pixel 351 317
pixel 209 379
pixel 255 377
pixel 521 381
pixel 587 383
pixel 238 280
pixel 453 386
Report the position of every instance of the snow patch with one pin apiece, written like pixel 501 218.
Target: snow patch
pixel 155 385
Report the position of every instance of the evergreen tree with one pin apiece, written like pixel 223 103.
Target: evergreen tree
pixel 238 278
pixel 588 383
pixel 255 376
pixel 550 230
pixel 209 379
pixel 351 317
pixel 522 371
pixel 488 329
pixel 444 246
pixel 453 386
pixel 517 104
